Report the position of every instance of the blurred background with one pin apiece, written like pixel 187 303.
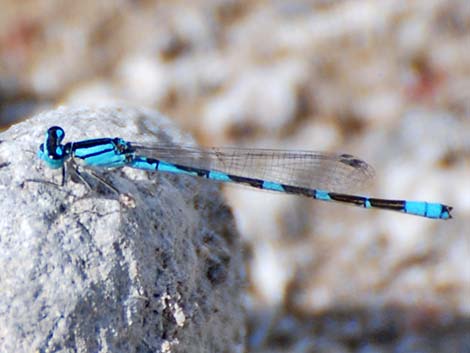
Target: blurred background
pixel 385 80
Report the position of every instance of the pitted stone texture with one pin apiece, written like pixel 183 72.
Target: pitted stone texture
pixel 82 271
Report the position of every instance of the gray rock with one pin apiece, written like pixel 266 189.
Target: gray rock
pixel 84 271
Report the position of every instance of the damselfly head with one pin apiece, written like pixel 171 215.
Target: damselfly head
pixel 51 151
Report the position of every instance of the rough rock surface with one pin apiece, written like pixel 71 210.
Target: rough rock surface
pixel 84 271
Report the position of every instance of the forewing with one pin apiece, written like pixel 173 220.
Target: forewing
pixel 333 172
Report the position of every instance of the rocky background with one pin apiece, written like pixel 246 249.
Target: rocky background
pixel 386 80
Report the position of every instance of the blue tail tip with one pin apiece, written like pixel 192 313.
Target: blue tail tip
pixel 446 212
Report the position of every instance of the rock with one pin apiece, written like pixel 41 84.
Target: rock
pixel 84 271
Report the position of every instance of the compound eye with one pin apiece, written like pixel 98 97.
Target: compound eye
pixel 56 132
